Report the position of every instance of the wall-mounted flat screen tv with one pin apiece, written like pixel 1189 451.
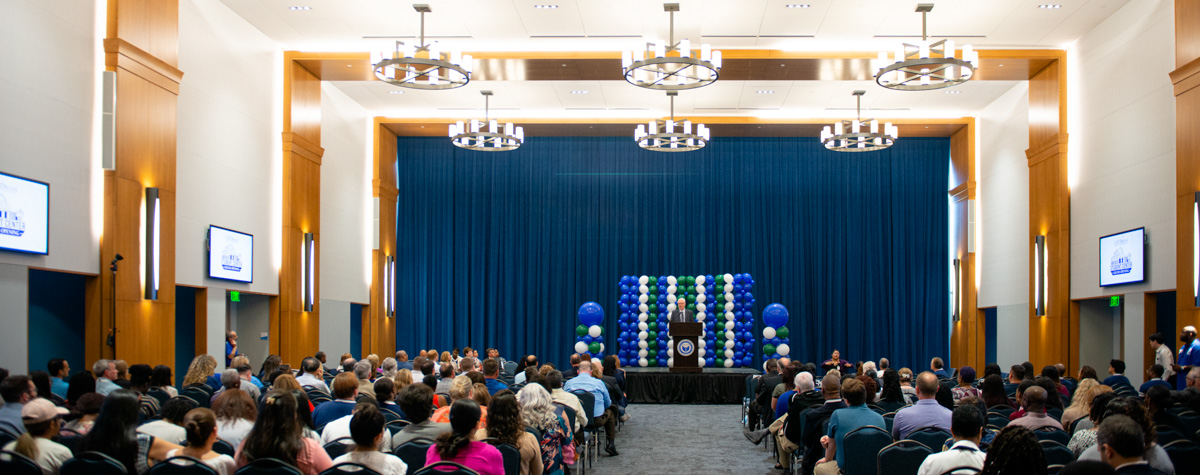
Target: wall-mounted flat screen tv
pixel 230 254
pixel 1123 257
pixel 24 215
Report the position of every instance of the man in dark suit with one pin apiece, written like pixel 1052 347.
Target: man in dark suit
pixel 681 313
pixel 810 439
pixel 762 393
pixel 1122 445
pixel 574 369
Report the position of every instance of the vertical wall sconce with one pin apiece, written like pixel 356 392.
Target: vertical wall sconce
pixel 1196 247
pixel 307 267
pixel 153 231
pixel 1040 286
pixel 389 291
pixel 957 289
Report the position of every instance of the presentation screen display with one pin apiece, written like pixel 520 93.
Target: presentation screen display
pixel 230 254
pixel 1123 257
pixel 24 215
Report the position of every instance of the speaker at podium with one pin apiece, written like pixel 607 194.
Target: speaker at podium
pixel 686 351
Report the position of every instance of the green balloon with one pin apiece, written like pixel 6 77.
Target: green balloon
pixel 581 330
pixel 691 306
pixel 653 308
pixel 720 361
pixel 782 332
pixel 594 347
pixel 653 335
pixel 653 280
pixel 652 362
pixel 653 344
pixel 653 326
pixel 654 289
pixel 768 349
pixel 652 354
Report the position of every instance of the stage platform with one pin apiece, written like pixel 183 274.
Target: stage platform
pixel 713 386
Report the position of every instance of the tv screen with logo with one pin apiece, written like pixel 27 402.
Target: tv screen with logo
pixel 230 254
pixel 24 215
pixel 1123 258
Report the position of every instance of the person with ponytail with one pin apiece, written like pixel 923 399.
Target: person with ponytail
pixel 366 429
pixel 278 434
pixel 457 446
pixel 42 421
pixel 115 434
pixel 201 427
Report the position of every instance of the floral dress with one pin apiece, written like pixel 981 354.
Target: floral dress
pixel 553 440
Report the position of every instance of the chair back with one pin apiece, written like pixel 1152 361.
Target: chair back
pixel 337 447
pixel 69 441
pixel 961 471
pixel 92 463
pixel 6 437
pixel 1006 411
pixel 588 401
pixel 1052 433
pixel 1055 412
pixel 200 394
pixel 1054 469
pixel 1070 428
pixel 437 468
pixel 413 453
pixel 268 466
pixel 181 465
pixel 510 368
pixel 396 426
pixel 862 446
pixel 932 437
pixel 570 412
pixel 512 458
pixel 13 463
pixel 224 448
pixel 317 396
pixel 904 456
pixel 349 468
pixel 1183 453
pixel 1191 422
pixel 997 420
pixel 1167 434
pixel 1056 453
pixel 390 414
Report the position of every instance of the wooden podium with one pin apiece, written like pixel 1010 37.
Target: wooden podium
pixel 687 350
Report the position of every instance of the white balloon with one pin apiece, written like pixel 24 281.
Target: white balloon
pixel 783 349
pixel 671 362
pixel 701 351
pixel 768 333
pixel 602 347
pixel 729 336
pixel 728 278
pixel 642 353
pixel 643 363
pixel 642 326
pixel 730 316
pixel 643 298
pixel 728 306
pixel 729 324
pixel 642 335
pixel 672 280
pixel 728 363
pixel 701 298
pixel 595 331
pixel 701 307
pixel 581 347
pixel 672 289
pixel 700 316
pixel 671 298
pixel 703 343
pixel 700 279
pixel 728 289
pixel 644 280
pixel 700 289
pixel 729 344
pixel 643 317
pixel 642 289
pixel 728 353
pixel 643 308
pixel 671 308
pixel 670 352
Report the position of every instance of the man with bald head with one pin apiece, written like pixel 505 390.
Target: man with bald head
pixel 925 413
pixel 1033 400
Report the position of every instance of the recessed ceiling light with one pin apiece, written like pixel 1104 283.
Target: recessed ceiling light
pixel 545 7
pixel 299 9
pixel 953 92
pixel 579 92
pixel 395 92
pixel 766 92
pixel 798 5
pixel 1049 6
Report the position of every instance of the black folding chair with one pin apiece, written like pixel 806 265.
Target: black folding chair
pixel 335 448
pixel 1053 433
pixel 413 453
pixel 961 471
pixel 1056 453
pixel 592 430
pixel 181 465
pixel 932 437
pixel 268 466
pixel 904 456
pixel 92 463
pixel 1183 453
pixel 316 396
pixel 396 426
pixel 862 446
pixel 436 469
pixel 224 448
pixel 1166 435
pixel 349 468
pixel 512 459
pixel 13 463
pixel 6 437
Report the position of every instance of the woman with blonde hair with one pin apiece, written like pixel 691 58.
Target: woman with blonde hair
pixel 403 378
pixel 374 359
pixel 286 382
pixel 42 422
pixel 461 387
pixel 1082 404
pixel 198 372
pixel 446 357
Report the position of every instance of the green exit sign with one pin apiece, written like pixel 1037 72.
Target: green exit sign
pixel 235 296
pixel 1114 301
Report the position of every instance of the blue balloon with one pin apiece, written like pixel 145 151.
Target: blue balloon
pixel 775 315
pixel 747 360
pixel 624 334
pixel 599 339
pixel 708 360
pixel 586 339
pixel 591 313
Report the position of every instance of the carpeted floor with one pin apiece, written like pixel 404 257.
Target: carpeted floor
pixel 684 439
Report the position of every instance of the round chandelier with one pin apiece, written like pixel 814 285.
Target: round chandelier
pixel 858 135
pixel 926 66
pixel 652 68
pixel 660 135
pixel 486 136
pixel 423 66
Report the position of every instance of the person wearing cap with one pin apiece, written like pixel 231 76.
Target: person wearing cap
pixel 42 420
pixel 88 407
pixel 16 391
pixel 966 376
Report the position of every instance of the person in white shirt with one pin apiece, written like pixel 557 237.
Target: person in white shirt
pixel 366 429
pixel 201 427
pixel 42 421
pixel 170 427
pixel 966 424
pixel 235 413
pixel 1162 355
pixel 340 428
pixel 312 372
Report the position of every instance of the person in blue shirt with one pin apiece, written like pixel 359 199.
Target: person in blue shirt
pixel 1189 355
pixel 402 361
pixel 938 368
pixel 105 372
pixel 842 422
pixel 1117 369
pixel 230 348
pixel 59 371
pixel 1155 378
pixel 604 412
pixel 491 371
pixel 345 390
pixel 16 391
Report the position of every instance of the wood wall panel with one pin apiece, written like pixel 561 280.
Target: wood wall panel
pixel 379 330
pixel 151 25
pixel 1187 159
pixel 967 338
pixel 1187 36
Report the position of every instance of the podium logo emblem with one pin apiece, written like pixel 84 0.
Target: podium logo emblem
pixel 686 348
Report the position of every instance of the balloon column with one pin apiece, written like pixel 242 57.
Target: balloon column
pixel 738 338
pixel 775 335
pixel 589 336
pixel 647 302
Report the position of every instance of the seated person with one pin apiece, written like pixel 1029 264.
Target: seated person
pixel 366 429
pixel 416 400
pixel 967 426
pixel 1033 401
pixel 842 422
pixel 1116 368
pixel 457 446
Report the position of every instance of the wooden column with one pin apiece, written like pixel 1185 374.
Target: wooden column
pixel 294 331
pixel 1186 79
pixel 379 330
pixel 1054 337
pixel 967 335
pixel 141 46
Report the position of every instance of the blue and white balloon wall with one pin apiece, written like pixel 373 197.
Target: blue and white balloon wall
pixel 589 335
pixel 776 343
pixel 722 303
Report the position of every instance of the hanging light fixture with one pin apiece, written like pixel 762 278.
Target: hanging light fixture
pixel 859 135
pixel 486 136
pixel 925 66
pixel 660 135
pixel 423 66
pixel 672 66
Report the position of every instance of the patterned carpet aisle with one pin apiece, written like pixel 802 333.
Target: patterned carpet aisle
pixel 684 439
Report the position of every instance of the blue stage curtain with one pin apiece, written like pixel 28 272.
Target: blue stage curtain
pixel 500 249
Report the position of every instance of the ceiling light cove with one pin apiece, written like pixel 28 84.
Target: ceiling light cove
pixel 299 9
pixel 1049 6
pixel 546 7
pixel 579 92
pixel 798 5
pixel 766 92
